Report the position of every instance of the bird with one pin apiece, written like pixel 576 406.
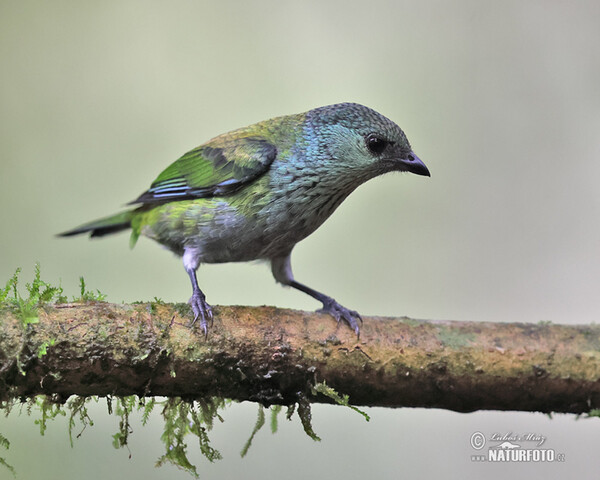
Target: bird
pixel 255 192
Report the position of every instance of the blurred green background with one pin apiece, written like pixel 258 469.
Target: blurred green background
pixel 500 99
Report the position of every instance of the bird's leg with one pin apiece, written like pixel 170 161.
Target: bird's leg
pixel 198 303
pixel 282 271
pixel 337 311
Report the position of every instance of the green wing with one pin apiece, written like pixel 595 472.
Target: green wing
pixel 215 169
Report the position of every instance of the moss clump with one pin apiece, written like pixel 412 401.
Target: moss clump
pixel 39 295
pixel 39 292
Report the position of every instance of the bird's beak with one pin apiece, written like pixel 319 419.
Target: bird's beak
pixel 413 164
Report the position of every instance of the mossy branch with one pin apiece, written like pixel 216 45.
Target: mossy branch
pixel 273 356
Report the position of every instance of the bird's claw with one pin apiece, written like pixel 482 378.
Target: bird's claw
pixel 201 310
pixel 341 313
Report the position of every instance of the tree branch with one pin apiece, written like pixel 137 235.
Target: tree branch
pixel 269 355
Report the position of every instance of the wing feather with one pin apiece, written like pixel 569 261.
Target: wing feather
pixel 209 171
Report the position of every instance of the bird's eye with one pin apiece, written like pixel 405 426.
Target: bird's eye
pixel 375 144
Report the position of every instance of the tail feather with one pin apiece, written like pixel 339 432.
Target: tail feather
pixel 103 226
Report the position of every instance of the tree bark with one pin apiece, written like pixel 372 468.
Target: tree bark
pixel 271 355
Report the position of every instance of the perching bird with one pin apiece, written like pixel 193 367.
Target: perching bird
pixel 253 193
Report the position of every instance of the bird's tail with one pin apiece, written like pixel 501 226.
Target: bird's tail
pixel 103 226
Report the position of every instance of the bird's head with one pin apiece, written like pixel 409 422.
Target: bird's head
pixel 360 140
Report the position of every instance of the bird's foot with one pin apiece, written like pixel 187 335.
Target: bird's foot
pixel 201 310
pixel 341 313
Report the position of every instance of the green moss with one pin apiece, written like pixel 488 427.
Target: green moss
pixel 154 304
pixel 4 443
pixel 452 338
pixel 77 407
pixel 183 420
pixel 88 295
pixel 40 293
pixel 49 410
pixel 343 400
pixel 305 414
pixel 183 309
pixel 124 407
pixel 275 409
pixel 260 421
pixel 43 348
pixel 411 322
pixel 591 334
